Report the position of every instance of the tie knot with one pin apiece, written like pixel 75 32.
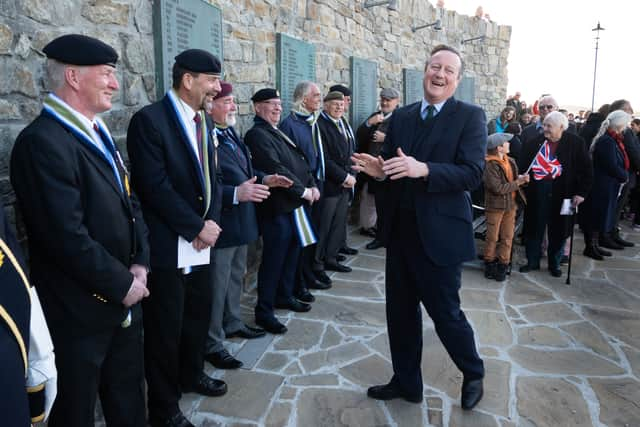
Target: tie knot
pixel 196 118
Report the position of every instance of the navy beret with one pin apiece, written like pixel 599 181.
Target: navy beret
pixel 76 49
pixel 265 95
pixel 199 61
pixel 340 88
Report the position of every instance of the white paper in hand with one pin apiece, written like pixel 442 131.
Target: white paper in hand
pixel 188 256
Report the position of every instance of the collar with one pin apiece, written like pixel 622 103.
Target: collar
pixel 185 109
pixel 337 122
pixel 425 104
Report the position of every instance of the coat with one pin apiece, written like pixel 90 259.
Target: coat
pixel 366 144
pixel 337 157
pixel 497 190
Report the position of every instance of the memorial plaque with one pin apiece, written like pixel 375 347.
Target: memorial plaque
pixel 295 62
pixel 413 90
pixel 179 25
pixel 466 90
pixel 364 83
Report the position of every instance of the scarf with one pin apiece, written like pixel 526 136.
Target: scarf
pixel 619 138
pixel 505 165
pixel 312 121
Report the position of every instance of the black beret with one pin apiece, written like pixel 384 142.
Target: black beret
pixel 199 61
pixel 265 95
pixel 340 88
pixel 76 49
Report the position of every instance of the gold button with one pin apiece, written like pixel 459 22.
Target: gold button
pixel 200 198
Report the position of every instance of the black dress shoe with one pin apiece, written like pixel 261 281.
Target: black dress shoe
pixel 272 326
pixel 374 244
pixel 177 420
pixel 555 271
pixel 247 332
pixel 335 266
pixel 471 393
pixel 222 360
pixel 293 305
pixel 619 240
pixel 369 232
pixel 391 391
pixel 305 296
pixel 348 251
pixel 321 277
pixel 607 242
pixel 208 386
pixel 529 267
pixel 341 258
pixel 602 251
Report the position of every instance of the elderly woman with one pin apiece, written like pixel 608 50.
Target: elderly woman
pixel 560 169
pixel 499 124
pixel 610 170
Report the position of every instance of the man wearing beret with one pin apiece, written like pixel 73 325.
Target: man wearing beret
pixel 283 219
pixel 87 240
pixel 242 188
pixel 175 171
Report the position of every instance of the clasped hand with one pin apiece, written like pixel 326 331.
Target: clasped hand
pixel 208 236
pixel 397 167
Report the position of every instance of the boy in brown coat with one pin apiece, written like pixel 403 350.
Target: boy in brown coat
pixel 501 187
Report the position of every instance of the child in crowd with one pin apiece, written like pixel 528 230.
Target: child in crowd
pixel 501 187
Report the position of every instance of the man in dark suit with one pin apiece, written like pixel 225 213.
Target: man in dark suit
pixel 283 220
pixel 433 156
pixel 242 187
pixel 174 166
pixel 87 240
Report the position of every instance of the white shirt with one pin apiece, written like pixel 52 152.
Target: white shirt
pixel 186 115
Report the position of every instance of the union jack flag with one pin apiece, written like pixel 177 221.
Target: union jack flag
pixel 545 164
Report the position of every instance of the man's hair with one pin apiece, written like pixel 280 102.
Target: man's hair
pixel 55 74
pixel 442 47
pixel 604 109
pixel 636 122
pixel 302 89
pixel 618 104
pixel 557 118
pixel 178 72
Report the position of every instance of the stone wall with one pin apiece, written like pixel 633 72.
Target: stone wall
pixel 338 28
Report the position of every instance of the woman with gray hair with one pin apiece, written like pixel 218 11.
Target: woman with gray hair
pixel 610 171
pixel 560 169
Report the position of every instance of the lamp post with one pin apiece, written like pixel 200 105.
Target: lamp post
pixel 391 4
pixel 595 66
pixel 437 25
pixel 481 38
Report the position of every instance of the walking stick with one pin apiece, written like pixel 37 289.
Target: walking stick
pixel 573 226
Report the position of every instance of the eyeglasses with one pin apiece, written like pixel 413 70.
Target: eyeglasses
pixel 546 107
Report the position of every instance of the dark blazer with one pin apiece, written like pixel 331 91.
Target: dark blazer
pixel 272 154
pixel 239 222
pixel 454 153
pixel 366 144
pixel 337 153
pixel 166 176
pixel 83 233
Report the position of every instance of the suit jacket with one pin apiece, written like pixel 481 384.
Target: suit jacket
pixel 83 233
pixel 239 222
pixel 454 153
pixel 337 156
pixel 366 144
pixel 167 177
pixel 272 154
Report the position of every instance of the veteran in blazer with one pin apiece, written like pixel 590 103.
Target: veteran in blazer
pixel 432 157
pixel 87 240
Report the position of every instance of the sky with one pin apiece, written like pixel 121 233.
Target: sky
pixel 552 48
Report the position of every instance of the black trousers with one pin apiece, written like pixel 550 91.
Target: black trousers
pixel 538 217
pixel 176 321
pixel 411 279
pixel 14 406
pixel 108 364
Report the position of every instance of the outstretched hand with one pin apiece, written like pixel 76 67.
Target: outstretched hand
pixel 403 166
pixel 372 166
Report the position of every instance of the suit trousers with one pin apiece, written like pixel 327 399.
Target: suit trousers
pixel 228 268
pixel 539 217
pixel 176 319
pixel 500 228
pixel 331 230
pixel 368 214
pixel 277 272
pixel 411 279
pixel 14 405
pixel 107 363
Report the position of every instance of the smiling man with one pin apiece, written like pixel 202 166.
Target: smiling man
pixel 432 157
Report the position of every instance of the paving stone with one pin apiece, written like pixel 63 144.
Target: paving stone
pixel 474 278
pixel 512 312
pixel 505 423
pixel 598 292
pixel 567 362
pixel 619 400
pixel 381 345
pixel 334 356
pixel 633 356
pixel 315 380
pixel 551 402
pixel 249 394
pixel 620 324
pixel 301 335
pixel 434 403
pixel 438 371
pixel 588 335
pixel 496 387
pixel 342 288
pixel 347 312
pixel 370 371
pixel 435 418
pixel 616 263
pixel 541 335
pixel 338 408
pixel 293 369
pixel 204 420
pixel 357 275
pixel 626 279
pixel 405 413
pixel 357 331
pixel 520 322
pixel 273 362
pixel 288 393
pixel 520 291
pixel 367 262
pixel 491 328
pixel 475 299
pixel 331 338
pixel 460 418
pixel 279 414
pixel 549 313
pixel 489 352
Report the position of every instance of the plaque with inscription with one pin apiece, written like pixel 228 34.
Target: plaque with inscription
pixel 179 25
pixel 413 90
pixel 466 90
pixel 295 62
pixel 364 83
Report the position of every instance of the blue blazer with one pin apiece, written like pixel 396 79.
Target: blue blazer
pixel 239 222
pixel 454 152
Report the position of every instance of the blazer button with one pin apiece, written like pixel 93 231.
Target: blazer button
pixel 200 198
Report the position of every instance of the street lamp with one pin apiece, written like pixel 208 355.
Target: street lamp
pixel 595 66
pixel 481 38
pixel 391 4
pixel 437 26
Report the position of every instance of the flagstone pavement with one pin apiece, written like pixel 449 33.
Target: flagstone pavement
pixel 555 354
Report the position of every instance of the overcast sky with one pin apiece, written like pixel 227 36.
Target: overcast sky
pixel 553 48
